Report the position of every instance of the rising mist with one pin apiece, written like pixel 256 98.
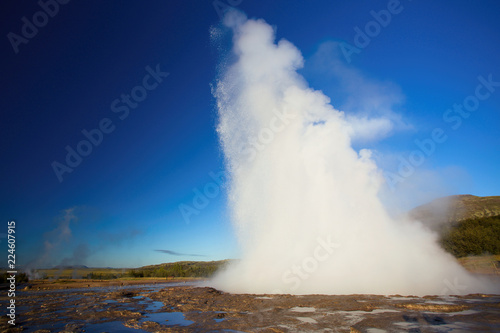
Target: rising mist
pixel 304 203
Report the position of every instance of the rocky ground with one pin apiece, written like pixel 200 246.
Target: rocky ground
pixel 181 308
pixel 321 313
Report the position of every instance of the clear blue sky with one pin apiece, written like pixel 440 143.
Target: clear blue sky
pixel 120 203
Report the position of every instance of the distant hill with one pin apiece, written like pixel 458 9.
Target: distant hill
pixel 455 208
pixel 187 264
pixel 185 269
pixel 180 269
pixel 467 224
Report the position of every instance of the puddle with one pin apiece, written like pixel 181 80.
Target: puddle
pixel 307 320
pixel 408 325
pixel 353 317
pixel 376 311
pixel 361 313
pixel 153 306
pixel 110 326
pixel 54 327
pixel 167 318
pixel 302 309
pixel 463 313
pixel 439 302
pixel 445 327
pixel 401 298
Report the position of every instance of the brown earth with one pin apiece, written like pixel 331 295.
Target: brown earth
pixel 83 283
pixel 455 208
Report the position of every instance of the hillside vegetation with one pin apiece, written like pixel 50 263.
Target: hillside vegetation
pixel 180 269
pixel 166 270
pixel 467 224
pixel 474 236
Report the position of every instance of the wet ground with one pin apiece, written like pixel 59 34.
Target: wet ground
pixel 182 307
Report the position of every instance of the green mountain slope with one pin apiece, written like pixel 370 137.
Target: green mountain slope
pixel 467 224
pixel 180 269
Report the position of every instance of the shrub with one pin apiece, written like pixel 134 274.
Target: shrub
pixel 473 237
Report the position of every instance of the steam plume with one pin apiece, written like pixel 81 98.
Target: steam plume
pixel 55 240
pixel 304 203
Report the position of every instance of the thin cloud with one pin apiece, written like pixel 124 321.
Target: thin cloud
pixel 180 254
pixel 370 106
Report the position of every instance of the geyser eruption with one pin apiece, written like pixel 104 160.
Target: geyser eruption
pixel 304 203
